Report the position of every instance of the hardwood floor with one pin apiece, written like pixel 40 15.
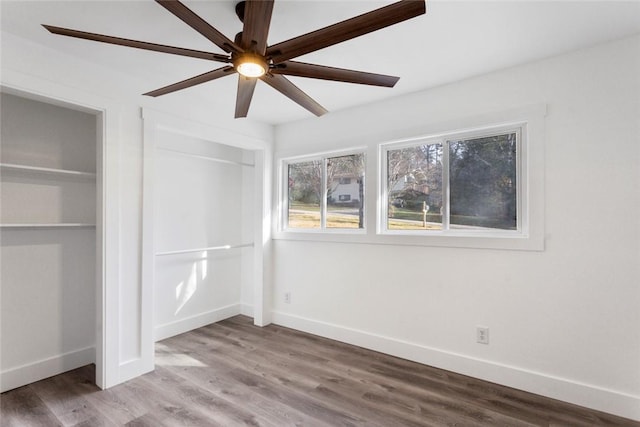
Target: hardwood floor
pixel 233 374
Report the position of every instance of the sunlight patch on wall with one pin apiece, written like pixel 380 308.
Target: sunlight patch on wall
pixel 186 290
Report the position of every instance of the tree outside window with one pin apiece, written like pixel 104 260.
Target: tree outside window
pixel 454 184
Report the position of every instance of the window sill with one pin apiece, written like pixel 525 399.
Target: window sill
pixel 496 241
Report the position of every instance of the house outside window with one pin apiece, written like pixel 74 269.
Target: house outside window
pixel 325 192
pixel 458 183
pixel 478 186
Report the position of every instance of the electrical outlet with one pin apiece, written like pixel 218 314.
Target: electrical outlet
pixel 287 297
pixel 482 334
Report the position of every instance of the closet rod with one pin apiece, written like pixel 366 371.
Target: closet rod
pixel 213 159
pixel 210 248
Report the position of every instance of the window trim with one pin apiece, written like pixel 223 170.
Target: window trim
pixel 533 202
pixel 519 128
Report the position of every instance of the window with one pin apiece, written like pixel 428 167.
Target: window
pixel 325 193
pixel 480 186
pixel 454 184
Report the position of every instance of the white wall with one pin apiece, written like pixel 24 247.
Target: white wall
pixel 564 321
pixel 198 203
pixel 49 271
pixel 39 70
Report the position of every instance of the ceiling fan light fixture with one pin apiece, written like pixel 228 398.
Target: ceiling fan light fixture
pixel 251 65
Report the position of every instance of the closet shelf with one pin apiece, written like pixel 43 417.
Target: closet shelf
pixel 47 171
pixel 50 225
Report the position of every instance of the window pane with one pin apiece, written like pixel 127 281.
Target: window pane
pixel 482 179
pixel 345 191
pixel 305 194
pixel 414 188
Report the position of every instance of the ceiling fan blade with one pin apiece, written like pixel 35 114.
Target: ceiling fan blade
pixel 137 44
pixel 246 86
pixel 202 78
pixel 346 30
pixel 302 69
pixel 257 18
pixel 288 89
pixel 200 25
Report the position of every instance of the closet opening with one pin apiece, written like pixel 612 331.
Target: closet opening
pixel 51 173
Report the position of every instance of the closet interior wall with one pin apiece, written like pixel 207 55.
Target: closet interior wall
pixel 48 239
pixel 202 236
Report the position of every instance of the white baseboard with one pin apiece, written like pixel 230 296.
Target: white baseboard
pixel 246 309
pixel 610 401
pixel 133 368
pixel 181 326
pixel 45 368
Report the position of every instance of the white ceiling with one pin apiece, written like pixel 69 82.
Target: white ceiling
pixel 453 41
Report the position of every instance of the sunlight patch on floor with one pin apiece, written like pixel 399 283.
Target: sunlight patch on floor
pixel 165 356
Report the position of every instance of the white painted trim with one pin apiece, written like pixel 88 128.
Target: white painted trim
pixel 109 236
pixel 178 125
pixel 45 368
pixel 590 396
pixel 181 326
pixel 147 295
pixel 532 169
pixel 262 237
pixel 108 136
pixel 131 369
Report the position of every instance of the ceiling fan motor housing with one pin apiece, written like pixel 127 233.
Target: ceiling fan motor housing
pixel 240 10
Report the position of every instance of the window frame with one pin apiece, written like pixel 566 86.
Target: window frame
pixel 444 139
pixel 532 238
pixel 283 193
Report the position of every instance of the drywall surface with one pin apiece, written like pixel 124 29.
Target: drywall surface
pixel 48 279
pixel 563 321
pixel 43 72
pixel 197 204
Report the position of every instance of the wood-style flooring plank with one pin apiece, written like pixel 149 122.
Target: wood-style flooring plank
pixel 69 407
pixel 23 408
pixel 233 373
pixel 284 369
pixel 400 403
pixel 217 410
pixel 418 408
pixel 116 406
pixel 253 377
pixel 530 408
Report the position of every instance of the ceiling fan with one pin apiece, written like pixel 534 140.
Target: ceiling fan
pixel 250 57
